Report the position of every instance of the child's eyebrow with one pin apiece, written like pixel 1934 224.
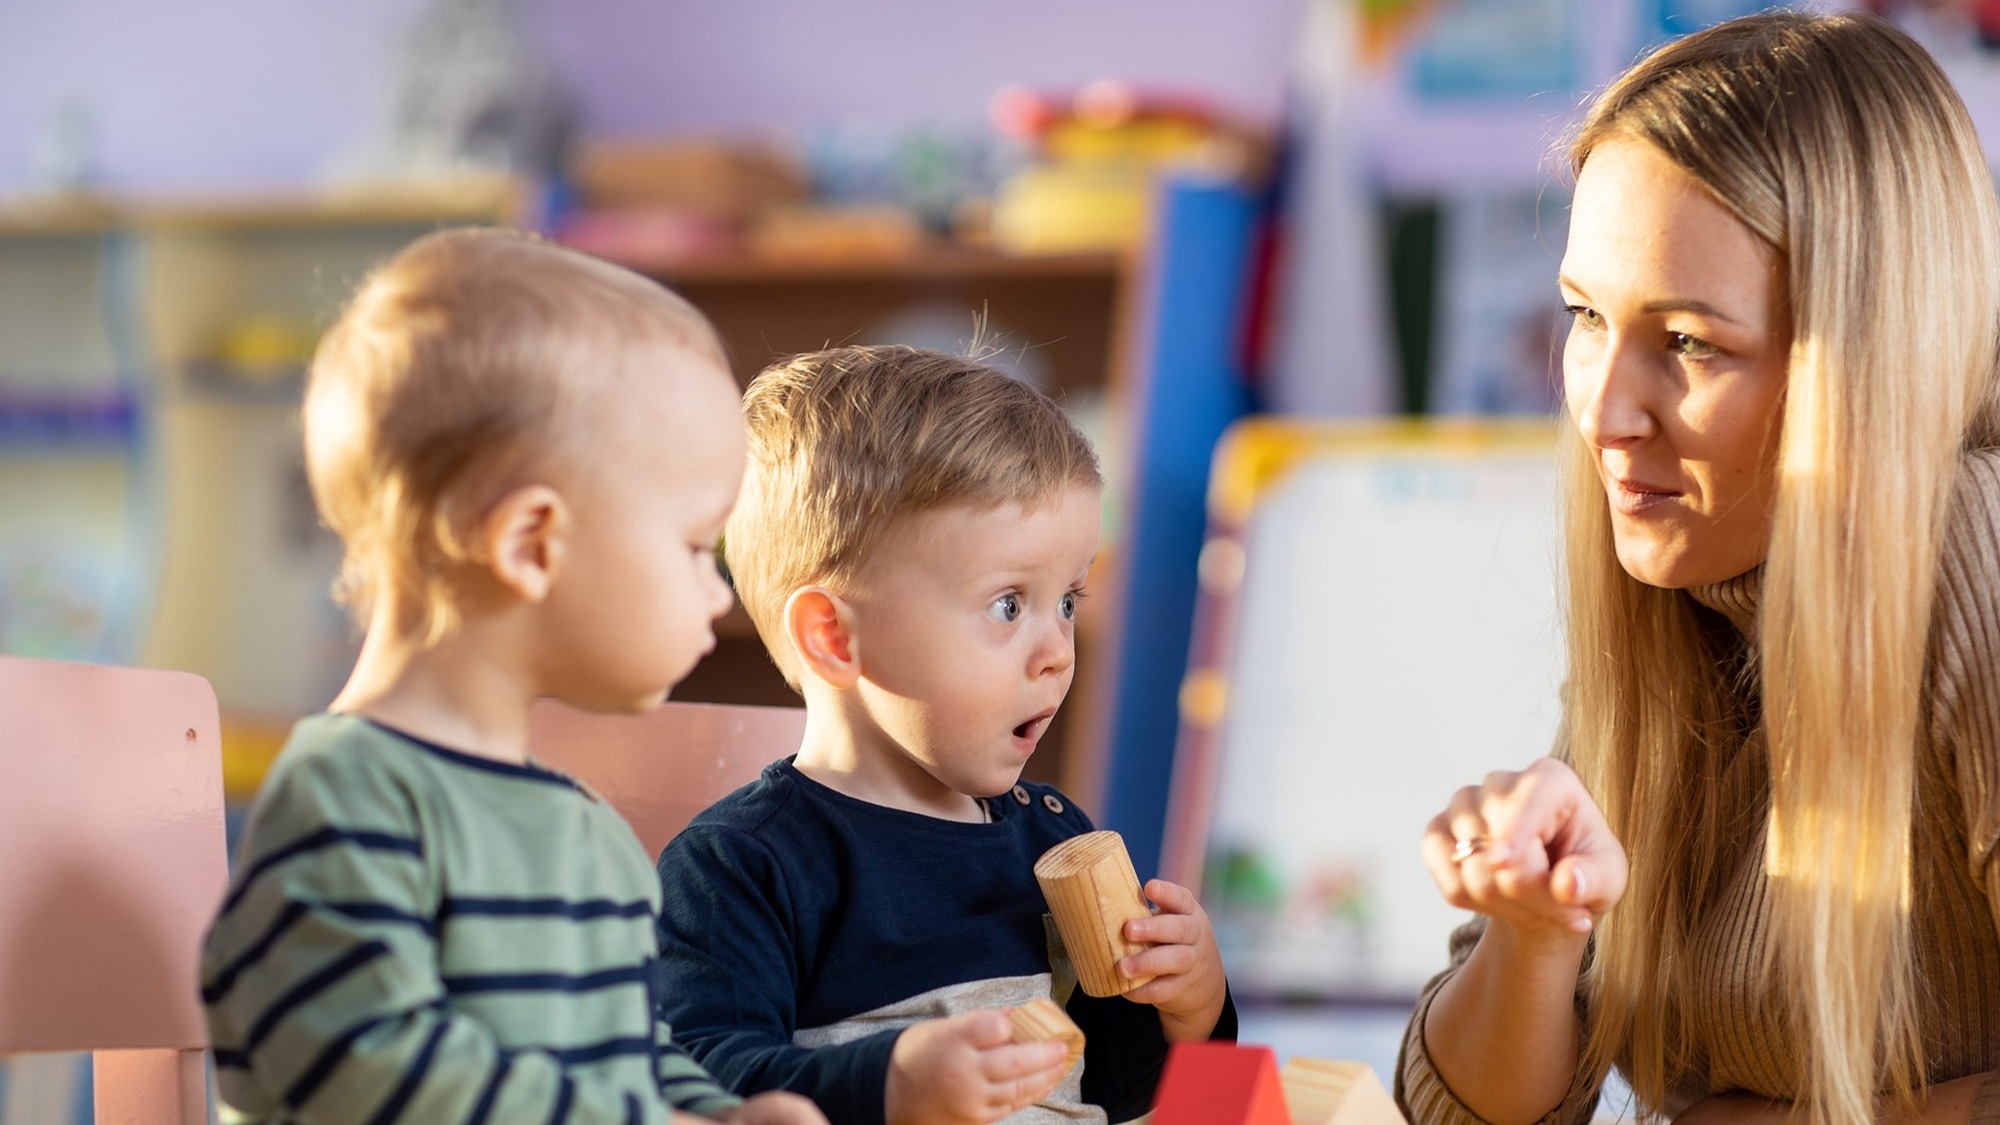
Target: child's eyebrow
pixel 1018 568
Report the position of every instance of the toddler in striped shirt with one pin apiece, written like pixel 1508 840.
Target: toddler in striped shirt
pixel 529 455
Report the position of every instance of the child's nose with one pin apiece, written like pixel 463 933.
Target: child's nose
pixel 1056 653
pixel 721 597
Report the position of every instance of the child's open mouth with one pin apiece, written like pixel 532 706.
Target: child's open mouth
pixel 1033 728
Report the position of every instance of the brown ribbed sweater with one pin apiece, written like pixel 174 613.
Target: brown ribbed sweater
pixel 1742 1042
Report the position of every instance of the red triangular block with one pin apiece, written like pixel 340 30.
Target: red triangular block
pixel 1220 1084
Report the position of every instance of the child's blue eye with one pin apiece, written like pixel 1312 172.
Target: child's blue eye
pixel 1069 601
pixel 1005 609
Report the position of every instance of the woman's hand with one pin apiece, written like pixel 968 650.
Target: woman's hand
pixel 1530 849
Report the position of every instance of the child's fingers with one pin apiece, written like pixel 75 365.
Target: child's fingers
pixel 1171 897
pixel 1166 929
pixel 986 1029
pixel 1159 961
pixel 1021 1061
pixel 1019 1093
pixel 1155 991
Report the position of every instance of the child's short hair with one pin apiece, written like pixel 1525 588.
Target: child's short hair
pixel 845 442
pixel 466 365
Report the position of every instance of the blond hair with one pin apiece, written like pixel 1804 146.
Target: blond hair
pixel 461 369
pixel 846 442
pixel 1838 141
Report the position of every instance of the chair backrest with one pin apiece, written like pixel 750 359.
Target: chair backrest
pixel 112 862
pixel 661 768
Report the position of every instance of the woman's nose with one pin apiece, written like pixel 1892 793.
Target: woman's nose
pixel 1606 389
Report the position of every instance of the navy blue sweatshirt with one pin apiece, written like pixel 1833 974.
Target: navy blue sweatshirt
pixel 802 930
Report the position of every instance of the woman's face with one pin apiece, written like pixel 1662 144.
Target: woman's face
pixel 1674 370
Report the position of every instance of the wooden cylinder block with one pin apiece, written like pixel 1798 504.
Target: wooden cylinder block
pixel 1040 1020
pixel 1092 892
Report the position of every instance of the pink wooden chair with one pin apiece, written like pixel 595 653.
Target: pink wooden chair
pixel 112 861
pixel 661 768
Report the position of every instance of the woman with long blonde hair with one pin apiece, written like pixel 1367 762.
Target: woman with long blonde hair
pixel 1783 561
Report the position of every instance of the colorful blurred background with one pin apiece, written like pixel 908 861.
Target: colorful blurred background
pixel 1169 213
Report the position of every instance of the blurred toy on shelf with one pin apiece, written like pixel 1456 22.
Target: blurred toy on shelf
pixel 1478 50
pixel 1098 153
pixel 836 233
pixel 661 203
pixel 941 177
pixel 264 348
pixel 467 88
pixel 1072 174
pixel 1387 24
pixel 59 415
pixel 63 156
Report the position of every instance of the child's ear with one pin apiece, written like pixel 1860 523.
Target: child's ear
pixel 821 628
pixel 525 538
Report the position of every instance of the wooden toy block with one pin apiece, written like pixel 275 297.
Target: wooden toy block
pixel 1042 1019
pixel 1092 892
pixel 1327 1092
pixel 1220 1084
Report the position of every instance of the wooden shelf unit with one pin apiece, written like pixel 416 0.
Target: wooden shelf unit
pixel 239 569
pixel 1071 311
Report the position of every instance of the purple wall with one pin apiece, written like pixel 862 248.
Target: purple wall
pixel 216 94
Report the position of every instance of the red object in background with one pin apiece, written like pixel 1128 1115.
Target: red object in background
pixel 1984 14
pixel 1220 1084
pixel 1027 114
pixel 1986 17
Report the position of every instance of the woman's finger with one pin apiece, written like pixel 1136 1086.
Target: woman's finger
pixel 1466 821
pixel 1537 808
pixel 1593 881
pixel 1438 847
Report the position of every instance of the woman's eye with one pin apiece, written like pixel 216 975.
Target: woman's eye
pixel 1583 315
pixel 1691 347
pixel 1005 609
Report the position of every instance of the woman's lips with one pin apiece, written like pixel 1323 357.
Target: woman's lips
pixel 1633 497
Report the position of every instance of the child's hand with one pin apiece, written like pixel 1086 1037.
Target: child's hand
pixel 967 1070
pixel 1187 986
pixel 778 1107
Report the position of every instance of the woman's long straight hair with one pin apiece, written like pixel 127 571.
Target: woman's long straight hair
pixel 1840 142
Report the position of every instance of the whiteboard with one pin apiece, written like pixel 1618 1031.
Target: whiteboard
pixel 1395 636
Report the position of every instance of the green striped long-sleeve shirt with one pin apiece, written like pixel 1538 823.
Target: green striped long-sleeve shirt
pixel 415 934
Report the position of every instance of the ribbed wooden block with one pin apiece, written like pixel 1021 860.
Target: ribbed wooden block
pixel 1040 1020
pixel 1328 1092
pixel 1092 892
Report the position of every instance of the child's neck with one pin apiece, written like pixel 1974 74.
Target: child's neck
pixel 864 766
pixel 454 693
